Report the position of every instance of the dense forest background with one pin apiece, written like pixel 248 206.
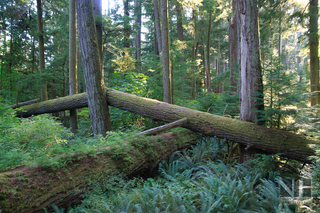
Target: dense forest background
pixel 198 69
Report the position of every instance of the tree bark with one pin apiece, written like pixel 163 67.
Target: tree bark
pixel 157 24
pixel 73 62
pixel 251 87
pixel 31 189
pixel 97 100
pixel 314 52
pixel 44 94
pixel 166 71
pixel 249 134
pixel 97 10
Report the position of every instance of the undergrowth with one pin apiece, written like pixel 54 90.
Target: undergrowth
pixel 40 139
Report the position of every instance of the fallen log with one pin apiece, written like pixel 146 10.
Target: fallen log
pixel 24 103
pixel 165 127
pixel 31 189
pixel 272 141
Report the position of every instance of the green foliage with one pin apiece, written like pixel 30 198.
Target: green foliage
pixel 191 182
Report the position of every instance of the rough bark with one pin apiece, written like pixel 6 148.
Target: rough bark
pixel 31 189
pixel 44 94
pixel 97 100
pixel 73 62
pixel 251 86
pixel 314 52
pixel 249 134
pixel 157 24
pixel 166 71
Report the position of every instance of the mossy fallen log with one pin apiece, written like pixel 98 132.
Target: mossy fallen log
pixel 272 141
pixel 31 189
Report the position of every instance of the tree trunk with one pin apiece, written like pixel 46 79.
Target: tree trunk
pixel 251 87
pixel 314 52
pixel 31 189
pixel 207 55
pixel 249 134
pixel 44 94
pixel 179 21
pixel 250 70
pixel 157 24
pixel 97 10
pixel 193 86
pixel 97 100
pixel 127 27
pixel 233 51
pixel 166 71
pixel 73 62
pixel 137 5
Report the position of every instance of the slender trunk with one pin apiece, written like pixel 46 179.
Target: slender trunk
pixel 157 25
pixel 73 62
pixel 137 5
pixel 314 52
pixel 179 21
pixel 193 86
pixel 97 100
pixel 127 27
pixel 44 94
pixel 233 50
pixel 208 76
pixel 166 71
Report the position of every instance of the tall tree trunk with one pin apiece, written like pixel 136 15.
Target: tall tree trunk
pixel 157 24
pixel 233 50
pixel 179 21
pixel 137 6
pixel 193 86
pixel 97 9
pixel 207 55
pixel 166 71
pixel 251 87
pixel 73 62
pixel 44 94
pixel 127 28
pixel 314 52
pixel 97 100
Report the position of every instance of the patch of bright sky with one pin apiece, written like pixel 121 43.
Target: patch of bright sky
pixel 108 5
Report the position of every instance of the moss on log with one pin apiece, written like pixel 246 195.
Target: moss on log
pixel 270 140
pixel 31 189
